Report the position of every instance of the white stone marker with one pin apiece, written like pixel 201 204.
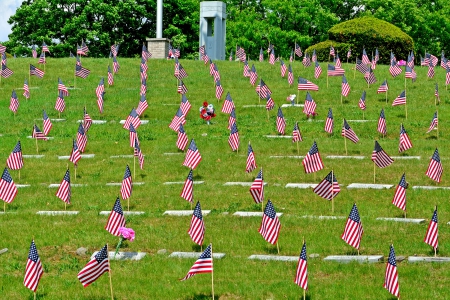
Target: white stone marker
pixel 180 213
pixel 120 183
pixel 32 156
pixel 287 156
pixel 48 137
pixel 181 182
pixel 273 257
pixel 122 156
pixel 414 259
pixel 241 183
pixel 123 255
pixel 95 121
pixel 301 185
pixel 22 185
pixel 82 156
pixel 369 186
pixel 403 220
pixel 125 213
pixel 143 122
pixel 358 258
pixel 405 157
pixel 216 255
pixel 252 214
pixel 325 217
pixel 427 187
pixel 278 136
pixel 56 185
pixel 57 212
pixel 344 157
pixel 290 105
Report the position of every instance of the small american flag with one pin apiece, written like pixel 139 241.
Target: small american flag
pixel 394 69
pixel 430 58
pixel 100 102
pixel 337 61
pixel 281 122
pixel 345 87
pixel 204 264
pixel 381 128
pixel 329 122
pixel 64 192
pixel 143 73
pixel 312 161
pixel 296 135
pixel 125 189
pixel 60 104
pixel 291 57
pixel 430 73
pixel 33 51
pixel 138 153
pixel 400 193
pixel 47 123
pixel 34 269
pixel 404 141
pixel 400 100
pixel 197 227
pixel 365 58
pixel 436 92
pixel 45 48
pixel 182 88
pixel 115 219
pixel 283 69
pixel 116 65
pixel 269 102
pixel 145 53
pixel 233 139
pixel 42 59
pixel 142 105
pixel 87 121
pixel 100 87
pixel 251 162
pixel 310 105
pixel 347 132
pixel 133 135
pixel 370 76
pixel 228 104
pixel 306 85
pixel 306 60
pixel 180 73
pixel 290 76
pixel 298 50
pixel 301 276
pixel 254 75
pixel 314 56
pixel 15 159
pixel 98 265
pixel 187 191
pixel 373 65
pixel 231 119
pixel 26 89
pixel 434 122
pixel 75 155
pixel 81 138
pixel 434 170
pixel 349 53
pixel 193 156
pixel 144 86
pixel 270 225
pixel 240 53
pixel 230 58
pixel 205 57
pixel 380 157
pixel 84 47
pixel 261 55
pixel 377 55
pixel 447 76
pixel 216 73
pixel 361 67
pixel 410 62
pixel 178 119
pixel 272 56
pixel 328 188
pixel 383 87
pixel 37 133
pixel 317 70
pixel 219 90
pixel 431 238
pixel 133 118
pixel 257 188
pixel 114 50
pixel 62 88
pixel 391 275
pixel 362 101
pixel 80 50
pixel 6 72
pixel 335 71
pixel 332 51
pixel 14 102
pixel 182 139
pixel 8 189
pixel 353 230
pixel 81 72
pixel 262 89
pixel 36 72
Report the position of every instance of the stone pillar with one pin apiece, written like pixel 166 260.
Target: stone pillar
pixel 158 47
pixel 213 28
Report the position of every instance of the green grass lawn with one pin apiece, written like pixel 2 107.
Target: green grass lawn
pixel 235 277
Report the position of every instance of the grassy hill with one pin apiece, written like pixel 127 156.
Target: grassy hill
pixel 235 277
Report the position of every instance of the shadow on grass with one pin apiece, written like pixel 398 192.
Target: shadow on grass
pixel 202 296
pixel 198 248
pixel 401 116
pixel 197 176
pixel 272 249
pixel 353 252
pixel 431 137
pixel 38 296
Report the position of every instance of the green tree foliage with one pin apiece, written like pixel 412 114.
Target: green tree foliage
pixel 323 50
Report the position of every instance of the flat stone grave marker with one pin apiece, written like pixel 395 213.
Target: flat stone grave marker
pixel 216 255
pixel 48 137
pixel 429 187
pixel 22 185
pixel 120 183
pixel 325 217
pixel 287 156
pixel 273 257
pixel 82 156
pixel 4 250
pixel 95 121
pixel 241 183
pixel 414 259
pixel 57 212
pixel 359 258
pixel 279 136
pixel 301 185
pixel 290 105
pixel 173 153
pixel 181 213
pixel 253 105
pixel 405 157
pixel 403 220
pixel 123 255
pixel 369 186
pixel 252 214
pixel 143 122
pixel 360 121
pixel 345 157
pixel 182 182
pixel 56 185
pixel 125 213
pixel 122 156
pixel 32 156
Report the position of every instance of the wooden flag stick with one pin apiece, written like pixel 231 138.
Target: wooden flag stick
pixel 298 153
pixel 437 127
pixel 345 144
pixel 134 166
pixel 406 112
pixel 327 80
pixel 19 174
pixel 37 149
pixel 374 172
pixel 4 207
pixel 110 278
pixel 212 275
pixel 128 204
pixel 354 71
pixel 304 294
pixel 332 192
pixel 341 98
pixel 65 205
pixel 278 248
pixel 75 178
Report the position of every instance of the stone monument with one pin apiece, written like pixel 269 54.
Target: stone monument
pixel 159 46
pixel 213 28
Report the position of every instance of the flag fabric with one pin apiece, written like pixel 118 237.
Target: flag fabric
pixel 42 59
pixel 185 105
pixel 291 57
pixel 62 88
pixel 269 102
pixel 383 87
pixel 110 76
pixel 345 87
pixel 261 55
pixel 45 48
pixel 231 56
pixel 312 161
pixel 257 188
pixel 306 60
pixel 332 51
pixel 328 188
pixel 37 133
pixel 404 142
pixel 181 73
pixel 272 57
pixel 231 119
pixel 6 72
pixel 317 70
pixel 337 61
pixel 434 170
pixel 431 237
pixel 204 264
pixel 193 156
pixel 87 121
pixel 329 122
pixel 380 157
pixel 400 193
pixel 98 265
pixel 133 135
pixel 80 50
pixel 81 138
pixel 144 87
pixel 126 187
pixel 33 51
pixel 290 76
pixel 373 64
pixel 8 189
pixel 347 132
pixel 142 105
pixel 64 191
pixel 361 67
pixel 381 128
pixel 228 104
pixel 353 230
pixel 182 89
pixel 447 76
pixel 298 50
pixel 430 73
pixel 197 228
pixel 100 88
pixel 370 76
pixel 434 122
pixel 296 134
pixel 283 68
pixel 400 100
pixel 116 65
pixel 36 72
pixel 84 48
pixel 240 53
pixel 281 122
pixel 362 101
pixel 307 85
pixel 394 69
pixel 334 71
pixel 182 139
pixel 145 53
pixel 233 140
pixel 219 90
pixel 187 191
pixel 75 155
pixel 365 58
pixel 100 102
pixel 301 276
pixel 310 105
pixel 270 225
pixel 33 269
pixel 60 104
pixel 314 56
pixel 115 219
pixel 430 58
pixel 251 162
pixel 349 52
pixel 391 275
pixel 15 159
pixel 410 73
pixel 14 102
pixel 262 89
pixel 47 123
pixel 138 153
pixel 26 89
pixel 133 118
pixel 178 119
pixel 253 75
pixel 81 72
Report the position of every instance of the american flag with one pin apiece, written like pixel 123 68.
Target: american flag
pixel 353 230
pixel 394 69
pixel 37 133
pixel 240 53
pixel 261 55
pixel 81 72
pixel 262 89
pixel 365 58
pixel 306 60
pixel 434 170
pixel 36 72
pixel 47 123
pixel 138 153
pixel 283 68
pixel 26 89
pixel 80 50
pixel 246 70
pixel 361 67
pixel 301 276
pixel 431 238
pixel 75 155
pixel 298 50
pixel 143 74
pixel 15 159
pixel 110 76
pixel 430 73
pixel 434 122
pixel 400 100
pixel 381 128
pixel 81 138
pixel 125 188
pixel 304 84
pixel 6 72
pixel 181 88
pixel 391 275
pixel 312 161
pixel 400 193
pixel 114 50
pixel 33 51
pixel 373 65
pixel 45 48
pixel 251 162
pixel 100 87
pixel 228 104
pixel 204 264
pixel 332 51
pixel 447 76
pixel 60 104
pixel 362 101
pixel 87 121
pixel 269 102
pixel 430 58
pixel 182 139
pixel 181 73
pixel 334 71
pixel 410 73
pixel 329 122
pixel 377 55
pixel 296 135
pixel 144 86
pixel 254 75
pixel 14 103
pixel 348 132
pixel 281 122
pixel 178 119
pixel 291 57
pixel 62 88
pixel 410 62
pixel 187 191
pixel 345 87
pixel 230 58
pixel 337 61
pixel 328 188
pixel 205 57
pixel 272 56
pixel 405 142
pixel 84 47
pixel 443 60
pixel 116 65
pixel 8 189
pixel 270 225
pixel 193 156
pixel 115 219
pixel 370 76
pixel 436 92
pixel 145 53
pixel 133 135
pixel 383 87
pixel 314 56
pixel 379 157
pixel 34 269
pixel 349 53
pixel 257 188
pixel 233 139
pixel 219 90
pixel 143 105
pixel 197 227
pixel 310 105
pixel 100 102
pixel 231 118
pixel 133 118
pixel 317 70
pixel 42 59
pixel 98 265
pixel 64 192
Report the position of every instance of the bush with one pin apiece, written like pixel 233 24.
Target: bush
pixel 323 50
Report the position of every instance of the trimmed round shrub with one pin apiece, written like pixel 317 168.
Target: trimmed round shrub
pixel 323 50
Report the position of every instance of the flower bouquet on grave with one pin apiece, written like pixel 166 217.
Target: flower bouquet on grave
pixel 291 98
pixel 207 112
pixel 125 234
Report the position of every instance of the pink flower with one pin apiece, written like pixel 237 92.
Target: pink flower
pixel 127 233
pixel 401 63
